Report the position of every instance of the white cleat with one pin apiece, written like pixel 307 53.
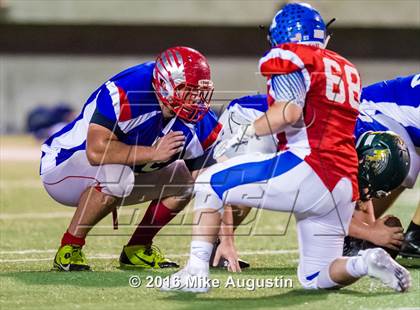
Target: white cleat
pixel 383 267
pixel 185 281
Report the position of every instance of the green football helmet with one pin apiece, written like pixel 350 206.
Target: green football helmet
pixel 384 162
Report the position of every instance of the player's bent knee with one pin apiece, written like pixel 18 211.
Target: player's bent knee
pixel 202 183
pixel 118 180
pixel 205 196
pixel 318 280
pixel 183 179
pixel 307 282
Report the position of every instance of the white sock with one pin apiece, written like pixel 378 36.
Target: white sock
pixel 324 278
pixel 356 267
pixel 200 256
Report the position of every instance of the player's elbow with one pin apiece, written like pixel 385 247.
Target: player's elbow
pixel 94 156
pixel 292 113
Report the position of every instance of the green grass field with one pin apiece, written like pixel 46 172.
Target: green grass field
pixel 32 225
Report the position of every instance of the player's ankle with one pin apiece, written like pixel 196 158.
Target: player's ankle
pixel 142 244
pixel 196 266
pixel 356 266
pixel 70 239
pixel 200 255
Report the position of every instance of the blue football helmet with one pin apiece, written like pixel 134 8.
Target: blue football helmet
pixel 297 22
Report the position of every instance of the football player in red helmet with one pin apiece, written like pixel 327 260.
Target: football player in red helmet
pixel 181 79
pixel 140 137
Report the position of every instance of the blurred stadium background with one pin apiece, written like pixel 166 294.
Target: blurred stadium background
pixel 60 51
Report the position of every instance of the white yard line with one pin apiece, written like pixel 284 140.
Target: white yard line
pixel 23 183
pixel 42 215
pixel 22 153
pixel 24 260
pixel 262 252
pixel 111 256
pixel 29 251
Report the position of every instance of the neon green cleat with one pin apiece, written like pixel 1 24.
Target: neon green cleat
pixel 70 258
pixel 141 256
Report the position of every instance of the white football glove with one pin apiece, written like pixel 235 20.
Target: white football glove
pixel 242 136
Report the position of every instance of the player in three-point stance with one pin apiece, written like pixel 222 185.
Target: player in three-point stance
pixel 315 177
pixel 140 137
pixel 390 105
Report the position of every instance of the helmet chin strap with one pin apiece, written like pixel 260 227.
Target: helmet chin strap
pixel 327 39
pixel 329 33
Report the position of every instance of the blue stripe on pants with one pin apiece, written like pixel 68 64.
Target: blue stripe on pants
pixel 253 172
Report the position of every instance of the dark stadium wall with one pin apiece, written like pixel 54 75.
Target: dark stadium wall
pixel 373 43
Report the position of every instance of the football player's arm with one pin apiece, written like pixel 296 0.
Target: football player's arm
pixel 358 229
pixel 277 118
pixel 205 159
pixel 103 147
pixel 104 138
pixel 227 247
pixel 289 92
pixel 364 226
pixel 365 212
pixel 226 233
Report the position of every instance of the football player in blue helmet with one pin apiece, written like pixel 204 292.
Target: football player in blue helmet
pixel 298 22
pixel 302 25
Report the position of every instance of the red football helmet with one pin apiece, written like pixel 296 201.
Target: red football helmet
pixel 181 80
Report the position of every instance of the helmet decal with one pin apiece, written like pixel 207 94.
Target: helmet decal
pixel 384 162
pixel 174 69
pixel 379 160
pixel 181 80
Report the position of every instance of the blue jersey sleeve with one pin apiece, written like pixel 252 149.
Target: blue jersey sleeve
pixel 365 123
pixel 256 102
pixel 404 91
pixel 398 99
pixel 104 105
pixel 207 130
pixel 104 114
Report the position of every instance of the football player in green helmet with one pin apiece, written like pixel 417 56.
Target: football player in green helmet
pixel 384 162
pixel 395 105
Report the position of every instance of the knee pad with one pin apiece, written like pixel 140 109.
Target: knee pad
pixel 308 281
pixel 317 280
pixel 116 180
pixel 205 196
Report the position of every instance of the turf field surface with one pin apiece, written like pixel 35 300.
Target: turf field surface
pixel 32 225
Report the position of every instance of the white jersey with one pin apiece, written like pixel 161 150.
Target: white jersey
pixel 244 111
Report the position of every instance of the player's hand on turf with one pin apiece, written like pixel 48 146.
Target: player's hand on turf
pixel 386 236
pixel 227 250
pixel 167 146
